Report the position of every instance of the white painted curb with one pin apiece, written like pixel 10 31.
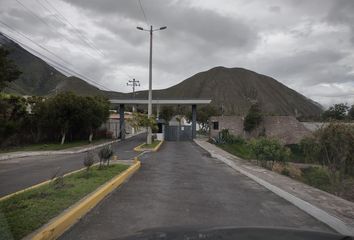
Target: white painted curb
pixel 307 207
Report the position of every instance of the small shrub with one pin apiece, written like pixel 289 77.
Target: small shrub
pixel 269 150
pixel 89 161
pixel 105 154
pixel 226 137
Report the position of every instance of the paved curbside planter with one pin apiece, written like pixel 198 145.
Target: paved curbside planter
pixel 58 225
pixel 141 149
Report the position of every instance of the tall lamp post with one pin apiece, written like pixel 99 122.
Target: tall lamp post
pixel 151 30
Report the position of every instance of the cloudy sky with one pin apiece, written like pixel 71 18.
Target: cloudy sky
pixel 306 44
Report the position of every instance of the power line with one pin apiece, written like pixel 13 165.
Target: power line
pixel 29 39
pixel 83 38
pixel 58 65
pixel 32 13
pixel 142 10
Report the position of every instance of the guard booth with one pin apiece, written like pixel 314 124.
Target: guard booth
pixel 182 133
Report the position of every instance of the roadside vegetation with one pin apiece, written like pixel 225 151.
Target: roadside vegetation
pixel 62 118
pixel 152 145
pixel 25 212
pixel 41 120
pixel 325 160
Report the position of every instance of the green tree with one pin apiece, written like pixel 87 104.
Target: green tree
pixel 94 111
pixel 8 69
pixel 336 112
pixel 12 117
pixel 351 113
pixel 60 113
pixel 167 112
pixel 140 120
pixel 203 115
pixel 253 118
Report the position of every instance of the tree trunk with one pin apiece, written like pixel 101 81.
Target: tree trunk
pixel 63 138
pixel 90 137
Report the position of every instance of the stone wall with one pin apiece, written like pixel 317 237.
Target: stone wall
pixel 285 128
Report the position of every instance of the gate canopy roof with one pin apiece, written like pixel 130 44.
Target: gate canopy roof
pixel 161 101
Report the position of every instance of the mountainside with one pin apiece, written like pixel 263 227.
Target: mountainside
pixel 235 89
pixel 230 89
pixel 38 77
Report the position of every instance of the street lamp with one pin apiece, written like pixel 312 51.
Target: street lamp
pixel 151 30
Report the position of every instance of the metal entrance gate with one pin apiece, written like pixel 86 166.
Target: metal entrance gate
pixel 176 133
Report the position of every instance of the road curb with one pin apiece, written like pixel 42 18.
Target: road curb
pixel 58 225
pixel 307 207
pixel 155 149
pixel 11 155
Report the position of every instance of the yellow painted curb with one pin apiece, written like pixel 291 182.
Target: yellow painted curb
pixel 69 217
pixel 155 149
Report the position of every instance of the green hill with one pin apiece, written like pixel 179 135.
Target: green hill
pixel 38 77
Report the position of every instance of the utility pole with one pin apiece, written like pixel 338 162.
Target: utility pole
pixel 151 30
pixel 133 83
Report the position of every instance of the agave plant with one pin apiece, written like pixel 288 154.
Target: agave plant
pixel 105 155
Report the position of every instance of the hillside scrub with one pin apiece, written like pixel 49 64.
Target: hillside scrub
pixel 38 119
pixel 268 151
pixel 333 147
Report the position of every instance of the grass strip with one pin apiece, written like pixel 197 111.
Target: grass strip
pixel 152 145
pixel 25 212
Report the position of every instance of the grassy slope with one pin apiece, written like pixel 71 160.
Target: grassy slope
pixel 26 212
pixel 238 149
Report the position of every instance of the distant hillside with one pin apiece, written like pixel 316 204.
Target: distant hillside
pixel 234 89
pixel 38 77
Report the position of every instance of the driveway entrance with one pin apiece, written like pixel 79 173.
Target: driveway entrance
pixel 181 185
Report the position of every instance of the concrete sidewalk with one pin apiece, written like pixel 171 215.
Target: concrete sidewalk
pixel 20 154
pixel 333 211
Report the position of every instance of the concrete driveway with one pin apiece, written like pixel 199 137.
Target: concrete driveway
pixel 182 186
pixel 20 173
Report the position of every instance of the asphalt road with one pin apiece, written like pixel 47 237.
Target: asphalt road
pixel 181 186
pixel 20 173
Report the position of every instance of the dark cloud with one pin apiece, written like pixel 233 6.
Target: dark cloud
pixel 342 12
pixel 304 44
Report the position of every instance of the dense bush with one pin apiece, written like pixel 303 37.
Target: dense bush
pixel 317 177
pixel 332 146
pixel 269 150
